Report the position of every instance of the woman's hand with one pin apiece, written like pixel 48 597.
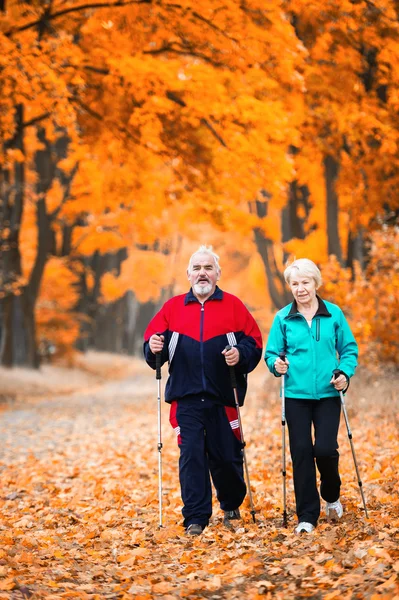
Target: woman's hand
pixel 281 366
pixel 339 383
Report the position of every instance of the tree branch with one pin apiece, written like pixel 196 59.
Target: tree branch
pixel 213 26
pixel 175 98
pixel 171 96
pixel 61 13
pixel 214 132
pixel 66 194
pixel 28 124
pixel 36 120
pixel 185 52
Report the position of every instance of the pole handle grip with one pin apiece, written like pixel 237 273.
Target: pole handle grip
pixel 336 372
pixel 282 355
pixel 233 378
pixel 158 364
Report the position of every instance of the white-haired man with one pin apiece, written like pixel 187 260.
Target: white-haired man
pixel 191 332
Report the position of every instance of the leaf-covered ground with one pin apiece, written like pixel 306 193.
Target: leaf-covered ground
pixel 79 501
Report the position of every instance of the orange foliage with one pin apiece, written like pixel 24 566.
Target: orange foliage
pixel 178 115
pixel 144 272
pixel 58 323
pixel 372 299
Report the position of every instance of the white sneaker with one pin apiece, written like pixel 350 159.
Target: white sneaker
pixel 304 527
pixel 334 510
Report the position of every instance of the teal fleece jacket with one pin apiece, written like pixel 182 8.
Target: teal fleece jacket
pixel 313 352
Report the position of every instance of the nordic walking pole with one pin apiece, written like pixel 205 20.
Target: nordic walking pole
pixel 234 386
pixel 336 372
pixel 283 469
pixel 158 377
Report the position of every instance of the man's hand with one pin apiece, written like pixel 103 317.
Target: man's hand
pixel 281 366
pixel 232 356
pixel 156 343
pixel 339 383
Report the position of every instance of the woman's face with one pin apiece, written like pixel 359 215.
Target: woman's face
pixel 303 288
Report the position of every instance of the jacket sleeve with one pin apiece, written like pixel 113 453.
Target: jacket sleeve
pixel 249 344
pixel 275 344
pixel 159 324
pixel 346 347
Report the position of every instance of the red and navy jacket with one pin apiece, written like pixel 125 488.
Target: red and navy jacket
pixel 195 335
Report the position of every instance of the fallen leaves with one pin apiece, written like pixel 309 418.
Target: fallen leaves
pixel 79 512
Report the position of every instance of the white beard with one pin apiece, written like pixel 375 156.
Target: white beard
pixel 202 290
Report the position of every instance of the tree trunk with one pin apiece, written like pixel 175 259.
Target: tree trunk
pixel 278 293
pixel 293 225
pixel 19 342
pixel 355 251
pixel 7 338
pixel 96 330
pixel 331 170
pixel 132 310
pixel 12 193
pixel 144 315
pixel 19 333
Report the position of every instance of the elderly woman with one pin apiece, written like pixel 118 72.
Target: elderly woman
pixel 316 340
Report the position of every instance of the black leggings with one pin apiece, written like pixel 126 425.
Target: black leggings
pixel 325 416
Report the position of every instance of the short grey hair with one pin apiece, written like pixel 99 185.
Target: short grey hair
pixel 205 250
pixel 304 267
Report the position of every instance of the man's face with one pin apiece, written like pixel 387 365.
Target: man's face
pixel 203 274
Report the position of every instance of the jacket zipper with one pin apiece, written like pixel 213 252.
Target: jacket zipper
pixel 318 329
pixel 202 345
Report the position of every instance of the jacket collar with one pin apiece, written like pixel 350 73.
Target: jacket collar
pixel 321 311
pixel 190 297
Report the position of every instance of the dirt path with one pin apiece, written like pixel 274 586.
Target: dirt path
pixel 46 426
pixel 79 505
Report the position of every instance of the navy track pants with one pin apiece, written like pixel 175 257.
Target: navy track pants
pixel 208 435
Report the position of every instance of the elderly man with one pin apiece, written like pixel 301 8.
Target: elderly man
pixel 191 331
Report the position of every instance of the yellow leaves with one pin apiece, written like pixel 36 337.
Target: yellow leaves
pixel 110 517
pixel 372 299
pixel 106 477
pixel 91 239
pixel 163 587
pixel 57 323
pixel 268 226
pixel 392 582
pixel 264 585
pixel 54 196
pixel 7 584
pixel 13 155
pixel 131 558
pixel 144 272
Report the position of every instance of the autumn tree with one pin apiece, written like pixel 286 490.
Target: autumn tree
pixel 161 104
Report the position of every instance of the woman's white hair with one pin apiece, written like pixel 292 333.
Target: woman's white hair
pixel 304 267
pixel 204 250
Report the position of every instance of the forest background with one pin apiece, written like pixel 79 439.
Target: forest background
pixel 131 131
pixel 134 130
